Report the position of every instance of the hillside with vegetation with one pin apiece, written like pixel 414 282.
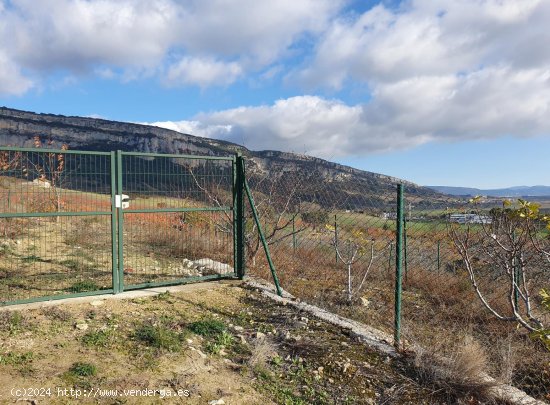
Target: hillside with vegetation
pixel 19 128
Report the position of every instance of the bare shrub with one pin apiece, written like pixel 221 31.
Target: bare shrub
pixel 507 352
pixel 263 351
pixel 190 243
pixel 11 228
pixel 458 371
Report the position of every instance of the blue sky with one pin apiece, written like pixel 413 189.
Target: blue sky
pixel 447 93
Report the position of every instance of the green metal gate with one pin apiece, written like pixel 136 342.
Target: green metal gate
pixel 76 223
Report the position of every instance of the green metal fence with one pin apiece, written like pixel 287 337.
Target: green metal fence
pixel 436 272
pixel 386 254
pixel 76 223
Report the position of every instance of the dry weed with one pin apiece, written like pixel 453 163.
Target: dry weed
pixel 458 371
pixel 263 351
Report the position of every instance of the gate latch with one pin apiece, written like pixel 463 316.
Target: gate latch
pixel 122 201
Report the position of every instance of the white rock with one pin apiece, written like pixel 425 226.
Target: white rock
pixel 216 402
pixel 365 302
pixel 81 326
pixel 97 303
pixel 209 266
pixel 259 335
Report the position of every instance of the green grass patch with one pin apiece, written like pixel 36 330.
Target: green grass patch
pixel 80 369
pixel 98 338
pixel 16 359
pixel 12 322
pixel 207 327
pixel 222 341
pixel 80 375
pixel 165 296
pixel 159 337
pixel 31 259
pixel 83 286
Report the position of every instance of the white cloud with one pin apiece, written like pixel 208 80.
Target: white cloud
pixel 78 34
pixel 203 72
pixel 217 41
pixel 12 81
pixel 425 38
pixel 402 115
pixel 259 30
pixel 304 124
pixel 435 71
pixel 196 128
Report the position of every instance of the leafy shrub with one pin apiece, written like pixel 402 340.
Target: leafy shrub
pixel 315 217
pixel 544 334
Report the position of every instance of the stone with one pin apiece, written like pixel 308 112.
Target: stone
pixel 216 402
pixel 210 267
pixel 97 303
pixel 81 326
pixel 237 328
pixel 301 324
pixel 365 302
pixel 259 335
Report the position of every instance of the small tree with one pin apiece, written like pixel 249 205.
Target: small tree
pixel 507 248
pixel 544 334
pixel 315 218
pixel 351 247
pixel 50 168
pixel 9 161
pixel 277 204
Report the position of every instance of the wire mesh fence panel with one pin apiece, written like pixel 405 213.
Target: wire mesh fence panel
pixel 473 270
pixel 55 223
pixel 178 222
pixel 333 243
pixel 333 246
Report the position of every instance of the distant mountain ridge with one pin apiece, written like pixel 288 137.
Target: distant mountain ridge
pixel 517 191
pixel 18 128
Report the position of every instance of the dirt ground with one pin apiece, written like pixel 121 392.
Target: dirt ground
pixel 215 343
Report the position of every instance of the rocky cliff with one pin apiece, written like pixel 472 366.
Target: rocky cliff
pixel 18 128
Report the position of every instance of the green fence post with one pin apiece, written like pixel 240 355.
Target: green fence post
pixel 438 255
pixel 335 239
pixel 120 219
pixel 405 259
pixel 262 238
pixel 114 248
pixel 398 263
pixel 390 259
pixel 293 234
pixel 238 216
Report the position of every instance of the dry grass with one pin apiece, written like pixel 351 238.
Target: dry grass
pixel 458 371
pixel 262 352
pixel 437 307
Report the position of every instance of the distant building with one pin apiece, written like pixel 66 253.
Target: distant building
pixel 389 215
pixel 470 219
